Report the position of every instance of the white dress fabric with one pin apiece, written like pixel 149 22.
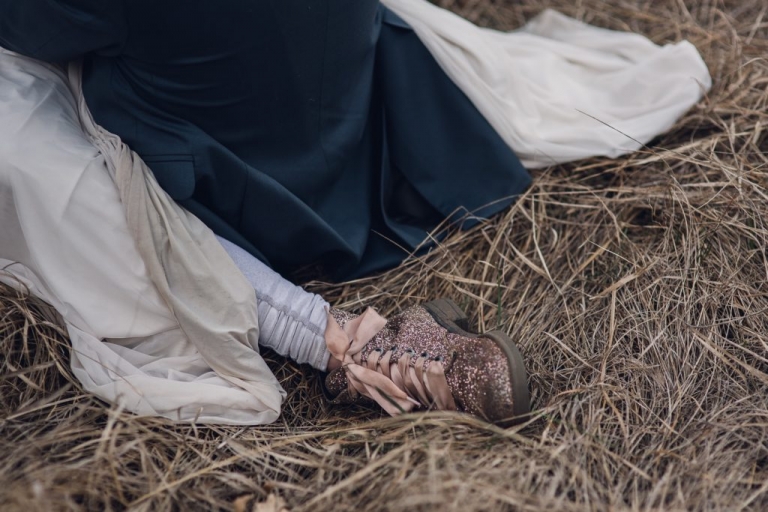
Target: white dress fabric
pixel 558 89
pixel 110 270
pixel 64 234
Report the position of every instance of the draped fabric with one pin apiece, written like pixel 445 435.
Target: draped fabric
pixel 212 301
pixel 326 135
pixel 85 227
pixel 558 89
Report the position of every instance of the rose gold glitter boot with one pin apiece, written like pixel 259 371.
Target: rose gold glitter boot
pixel 425 357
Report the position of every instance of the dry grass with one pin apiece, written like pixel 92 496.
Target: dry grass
pixel 638 292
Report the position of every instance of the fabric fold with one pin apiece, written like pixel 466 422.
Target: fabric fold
pixel 65 237
pixel 212 301
pixel 559 90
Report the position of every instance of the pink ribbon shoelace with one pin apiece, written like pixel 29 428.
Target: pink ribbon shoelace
pixel 397 386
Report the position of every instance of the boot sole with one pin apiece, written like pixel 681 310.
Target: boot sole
pixel 451 317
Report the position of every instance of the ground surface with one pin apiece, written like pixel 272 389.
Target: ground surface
pixel 637 289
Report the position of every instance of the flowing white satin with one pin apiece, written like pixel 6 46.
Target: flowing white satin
pixel 558 89
pixel 64 234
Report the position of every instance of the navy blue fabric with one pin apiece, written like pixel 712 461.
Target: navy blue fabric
pixel 305 131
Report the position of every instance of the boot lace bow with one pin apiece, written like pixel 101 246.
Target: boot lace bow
pixel 397 386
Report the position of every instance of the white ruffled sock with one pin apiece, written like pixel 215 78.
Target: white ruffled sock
pixel 291 320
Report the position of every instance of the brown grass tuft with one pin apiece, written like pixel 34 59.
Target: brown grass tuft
pixel 638 291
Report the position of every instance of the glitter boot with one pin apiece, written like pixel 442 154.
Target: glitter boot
pixel 428 347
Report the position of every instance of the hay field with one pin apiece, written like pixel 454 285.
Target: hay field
pixel 638 291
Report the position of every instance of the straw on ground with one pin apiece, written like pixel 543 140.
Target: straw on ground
pixel 638 292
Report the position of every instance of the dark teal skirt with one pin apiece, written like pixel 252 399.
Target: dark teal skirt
pixel 307 132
